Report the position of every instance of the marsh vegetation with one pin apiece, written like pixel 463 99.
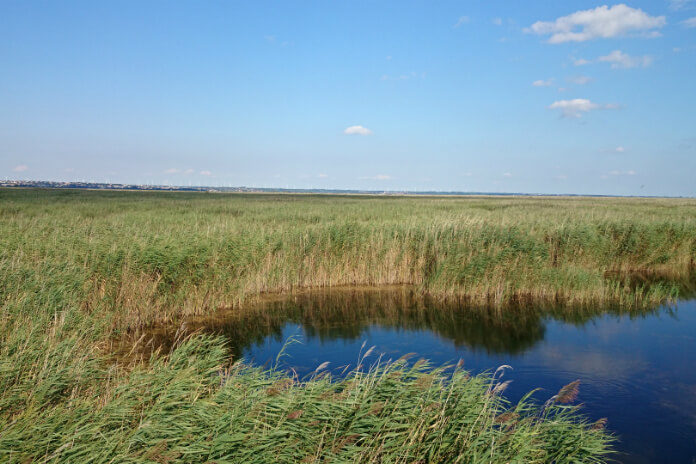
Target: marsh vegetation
pixel 82 269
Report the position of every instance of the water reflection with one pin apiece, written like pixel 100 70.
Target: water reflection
pixel 346 313
pixel 634 366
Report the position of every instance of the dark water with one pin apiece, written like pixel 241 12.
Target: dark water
pixel 636 368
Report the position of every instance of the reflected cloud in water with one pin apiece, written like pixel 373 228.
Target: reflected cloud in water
pixel 634 366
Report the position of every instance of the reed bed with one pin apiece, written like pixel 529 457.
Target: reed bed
pixel 190 407
pixel 157 256
pixel 81 268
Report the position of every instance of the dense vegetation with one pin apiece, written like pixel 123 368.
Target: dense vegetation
pixel 80 268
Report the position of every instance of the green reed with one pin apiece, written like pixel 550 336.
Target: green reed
pixel 192 407
pixel 154 255
pixel 80 268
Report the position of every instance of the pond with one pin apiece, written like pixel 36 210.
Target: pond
pixel 636 368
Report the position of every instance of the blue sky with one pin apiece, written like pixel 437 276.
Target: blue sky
pixel 547 97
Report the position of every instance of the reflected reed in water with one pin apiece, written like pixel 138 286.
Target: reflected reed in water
pixel 345 313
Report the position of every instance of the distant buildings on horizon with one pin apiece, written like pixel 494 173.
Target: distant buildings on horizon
pixel 47 184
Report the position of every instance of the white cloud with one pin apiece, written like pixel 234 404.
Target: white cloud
pixel 576 107
pixel 171 171
pixel 691 22
pixel 323 176
pixel 497 21
pixel 561 177
pixel 602 22
pixel 189 171
pixel 206 173
pixel 377 177
pixel 461 21
pixel 619 59
pixel 619 149
pixel 507 174
pixel 677 5
pixel 542 83
pixel 357 130
pixel 580 80
pixel 20 168
pixel 630 172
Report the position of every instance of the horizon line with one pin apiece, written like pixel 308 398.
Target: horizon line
pixel 78 185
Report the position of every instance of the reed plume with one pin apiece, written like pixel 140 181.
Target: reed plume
pixel 568 393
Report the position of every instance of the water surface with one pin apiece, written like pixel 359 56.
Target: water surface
pixel 636 367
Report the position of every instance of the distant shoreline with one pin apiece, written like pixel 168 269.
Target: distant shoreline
pixel 243 189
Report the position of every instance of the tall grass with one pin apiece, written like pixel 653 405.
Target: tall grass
pixel 79 268
pixel 157 256
pixel 189 407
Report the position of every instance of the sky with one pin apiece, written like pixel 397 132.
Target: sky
pixel 578 97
